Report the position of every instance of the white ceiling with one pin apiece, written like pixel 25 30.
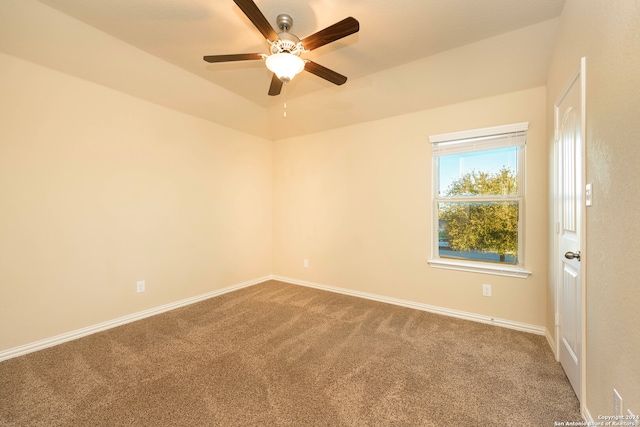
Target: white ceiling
pixel 409 55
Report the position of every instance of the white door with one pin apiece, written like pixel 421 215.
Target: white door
pixel 569 127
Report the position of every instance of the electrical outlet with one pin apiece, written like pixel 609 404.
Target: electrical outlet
pixel 140 286
pixel 306 263
pixel 617 403
pixel 486 290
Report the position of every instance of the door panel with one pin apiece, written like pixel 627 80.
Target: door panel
pixel 569 320
pixel 569 142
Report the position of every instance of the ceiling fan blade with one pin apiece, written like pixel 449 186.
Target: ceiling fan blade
pixel 257 18
pixel 276 86
pixel 235 57
pixel 330 34
pixel 324 73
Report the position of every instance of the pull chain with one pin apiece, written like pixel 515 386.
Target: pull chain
pixel 285 101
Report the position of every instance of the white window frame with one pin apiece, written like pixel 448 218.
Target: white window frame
pixel 480 140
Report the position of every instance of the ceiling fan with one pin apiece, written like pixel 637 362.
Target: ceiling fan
pixel 285 48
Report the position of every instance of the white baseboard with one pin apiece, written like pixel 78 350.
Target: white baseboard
pixel 79 333
pixel 551 341
pixel 525 327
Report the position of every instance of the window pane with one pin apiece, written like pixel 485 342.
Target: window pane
pixel 490 172
pixel 480 231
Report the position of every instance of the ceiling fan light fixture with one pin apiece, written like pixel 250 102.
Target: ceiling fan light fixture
pixel 285 48
pixel 285 65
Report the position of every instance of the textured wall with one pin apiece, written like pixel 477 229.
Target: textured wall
pixel 607 34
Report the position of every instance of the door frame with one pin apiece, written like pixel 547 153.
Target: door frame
pixel 579 74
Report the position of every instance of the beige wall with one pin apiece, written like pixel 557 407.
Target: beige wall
pixel 356 202
pixel 100 189
pixel 607 34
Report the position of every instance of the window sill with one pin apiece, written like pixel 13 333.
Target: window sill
pixel 477 267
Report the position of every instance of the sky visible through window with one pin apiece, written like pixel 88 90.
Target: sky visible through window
pixel 454 166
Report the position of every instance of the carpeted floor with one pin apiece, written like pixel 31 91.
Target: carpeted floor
pixel 277 354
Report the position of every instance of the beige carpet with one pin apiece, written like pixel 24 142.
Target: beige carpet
pixel 277 354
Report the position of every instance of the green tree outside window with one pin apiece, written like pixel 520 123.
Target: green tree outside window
pixel 482 226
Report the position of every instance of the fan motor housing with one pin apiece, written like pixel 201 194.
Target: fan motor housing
pixel 287 43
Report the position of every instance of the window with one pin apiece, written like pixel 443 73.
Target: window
pixel 478 203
